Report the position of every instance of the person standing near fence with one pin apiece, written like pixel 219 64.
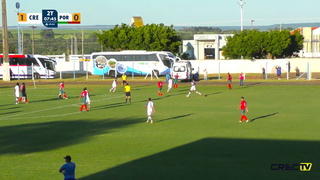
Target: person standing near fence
pixel 241 78
pixel 229 80
pixel 205 75
pixel 263 73
pixel 278 72
pixel 297 72
pixel 167 77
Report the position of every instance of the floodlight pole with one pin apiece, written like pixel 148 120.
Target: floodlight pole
pixel 241 13
pixel 5 66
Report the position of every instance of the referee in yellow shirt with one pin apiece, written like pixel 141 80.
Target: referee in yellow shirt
pixel 127 91
pixel 124 79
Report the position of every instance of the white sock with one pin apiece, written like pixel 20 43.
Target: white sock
pixel 197 92
pixel 189 93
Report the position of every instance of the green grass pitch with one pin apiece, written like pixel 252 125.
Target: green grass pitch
pixel 192 138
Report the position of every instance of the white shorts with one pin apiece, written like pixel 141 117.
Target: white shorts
pixel 17 95
pixel 88 100
pixel 193 88
pixel 114 86
pixel 149 113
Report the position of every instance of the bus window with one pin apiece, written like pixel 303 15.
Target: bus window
pixel 152 57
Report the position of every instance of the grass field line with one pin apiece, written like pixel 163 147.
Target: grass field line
pixel 33 117
pixel 59 107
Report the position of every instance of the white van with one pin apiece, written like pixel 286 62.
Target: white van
pixel 183 69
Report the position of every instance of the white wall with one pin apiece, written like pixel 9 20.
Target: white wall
pixel 78 66
pixel 248 66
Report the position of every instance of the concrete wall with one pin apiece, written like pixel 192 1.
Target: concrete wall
pixel 248 66
pixel 212 66
pixel 78 66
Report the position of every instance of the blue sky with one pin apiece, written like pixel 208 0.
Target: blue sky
pixel 176 12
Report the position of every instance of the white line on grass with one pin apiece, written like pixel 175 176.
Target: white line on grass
pixel 26 113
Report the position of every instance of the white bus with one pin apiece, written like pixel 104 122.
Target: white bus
pixel 21 66
pixel 128 62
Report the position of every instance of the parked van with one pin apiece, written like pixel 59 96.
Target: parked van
pixel 183 69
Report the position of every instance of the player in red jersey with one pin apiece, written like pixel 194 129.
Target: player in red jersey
pixel 243 107
pixel 175 83
pixel 62 91
pixel 229 80
pixel 23 91
pixel 83 96
pixel 160 84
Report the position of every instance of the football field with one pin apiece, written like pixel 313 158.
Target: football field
pixel 194 138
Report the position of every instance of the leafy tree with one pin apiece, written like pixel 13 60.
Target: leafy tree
pixel 151 37
pixel 47 34
pixel 253 43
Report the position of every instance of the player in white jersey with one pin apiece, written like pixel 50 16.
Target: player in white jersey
pixel 169 84
pixel 17 92
pixel 193 88
pixel 114 85
pixel 150 110
pixel 88 101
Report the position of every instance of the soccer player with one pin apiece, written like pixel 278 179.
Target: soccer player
pixel 83 95
pixel 88 101
pixel 127 91
pixel 160 84
pixel 17 92
pixel 229 80
pixel 62 91
pixel 193 88
pixel 243 107
pixel 175 83
pixel 124 79
pixel 68 169
pixel 150 110
pixel 169 84
pixel 167 77
pixel 23 93
pixel 114 85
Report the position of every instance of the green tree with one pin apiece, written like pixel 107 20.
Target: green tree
pixel 151 37
pixel 47 34
pixel 253 43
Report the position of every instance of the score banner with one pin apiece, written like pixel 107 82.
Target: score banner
pixel 49 18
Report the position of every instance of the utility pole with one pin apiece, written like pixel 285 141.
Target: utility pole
pixel 280 26
pixel 71 46
pixel 252 24
pixel 75 44
pixel 32 27
pixel 101 44
pixel 22 41
pixel 6 70
pixel 19 39
pixel 241 13
pixel 67 51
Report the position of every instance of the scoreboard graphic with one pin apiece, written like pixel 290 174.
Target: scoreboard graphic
pixel 49 18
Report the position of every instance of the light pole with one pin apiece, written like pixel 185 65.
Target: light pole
pixel 5 65
pixel 101 44
pixel 241 13
pixel 252 24
pixel 19 39
pixel 82 49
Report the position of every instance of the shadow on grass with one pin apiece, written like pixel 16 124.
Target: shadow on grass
pixel 206 95
pixel 175 117
pixel 36 137
pixel 265 116
pixel 218 158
